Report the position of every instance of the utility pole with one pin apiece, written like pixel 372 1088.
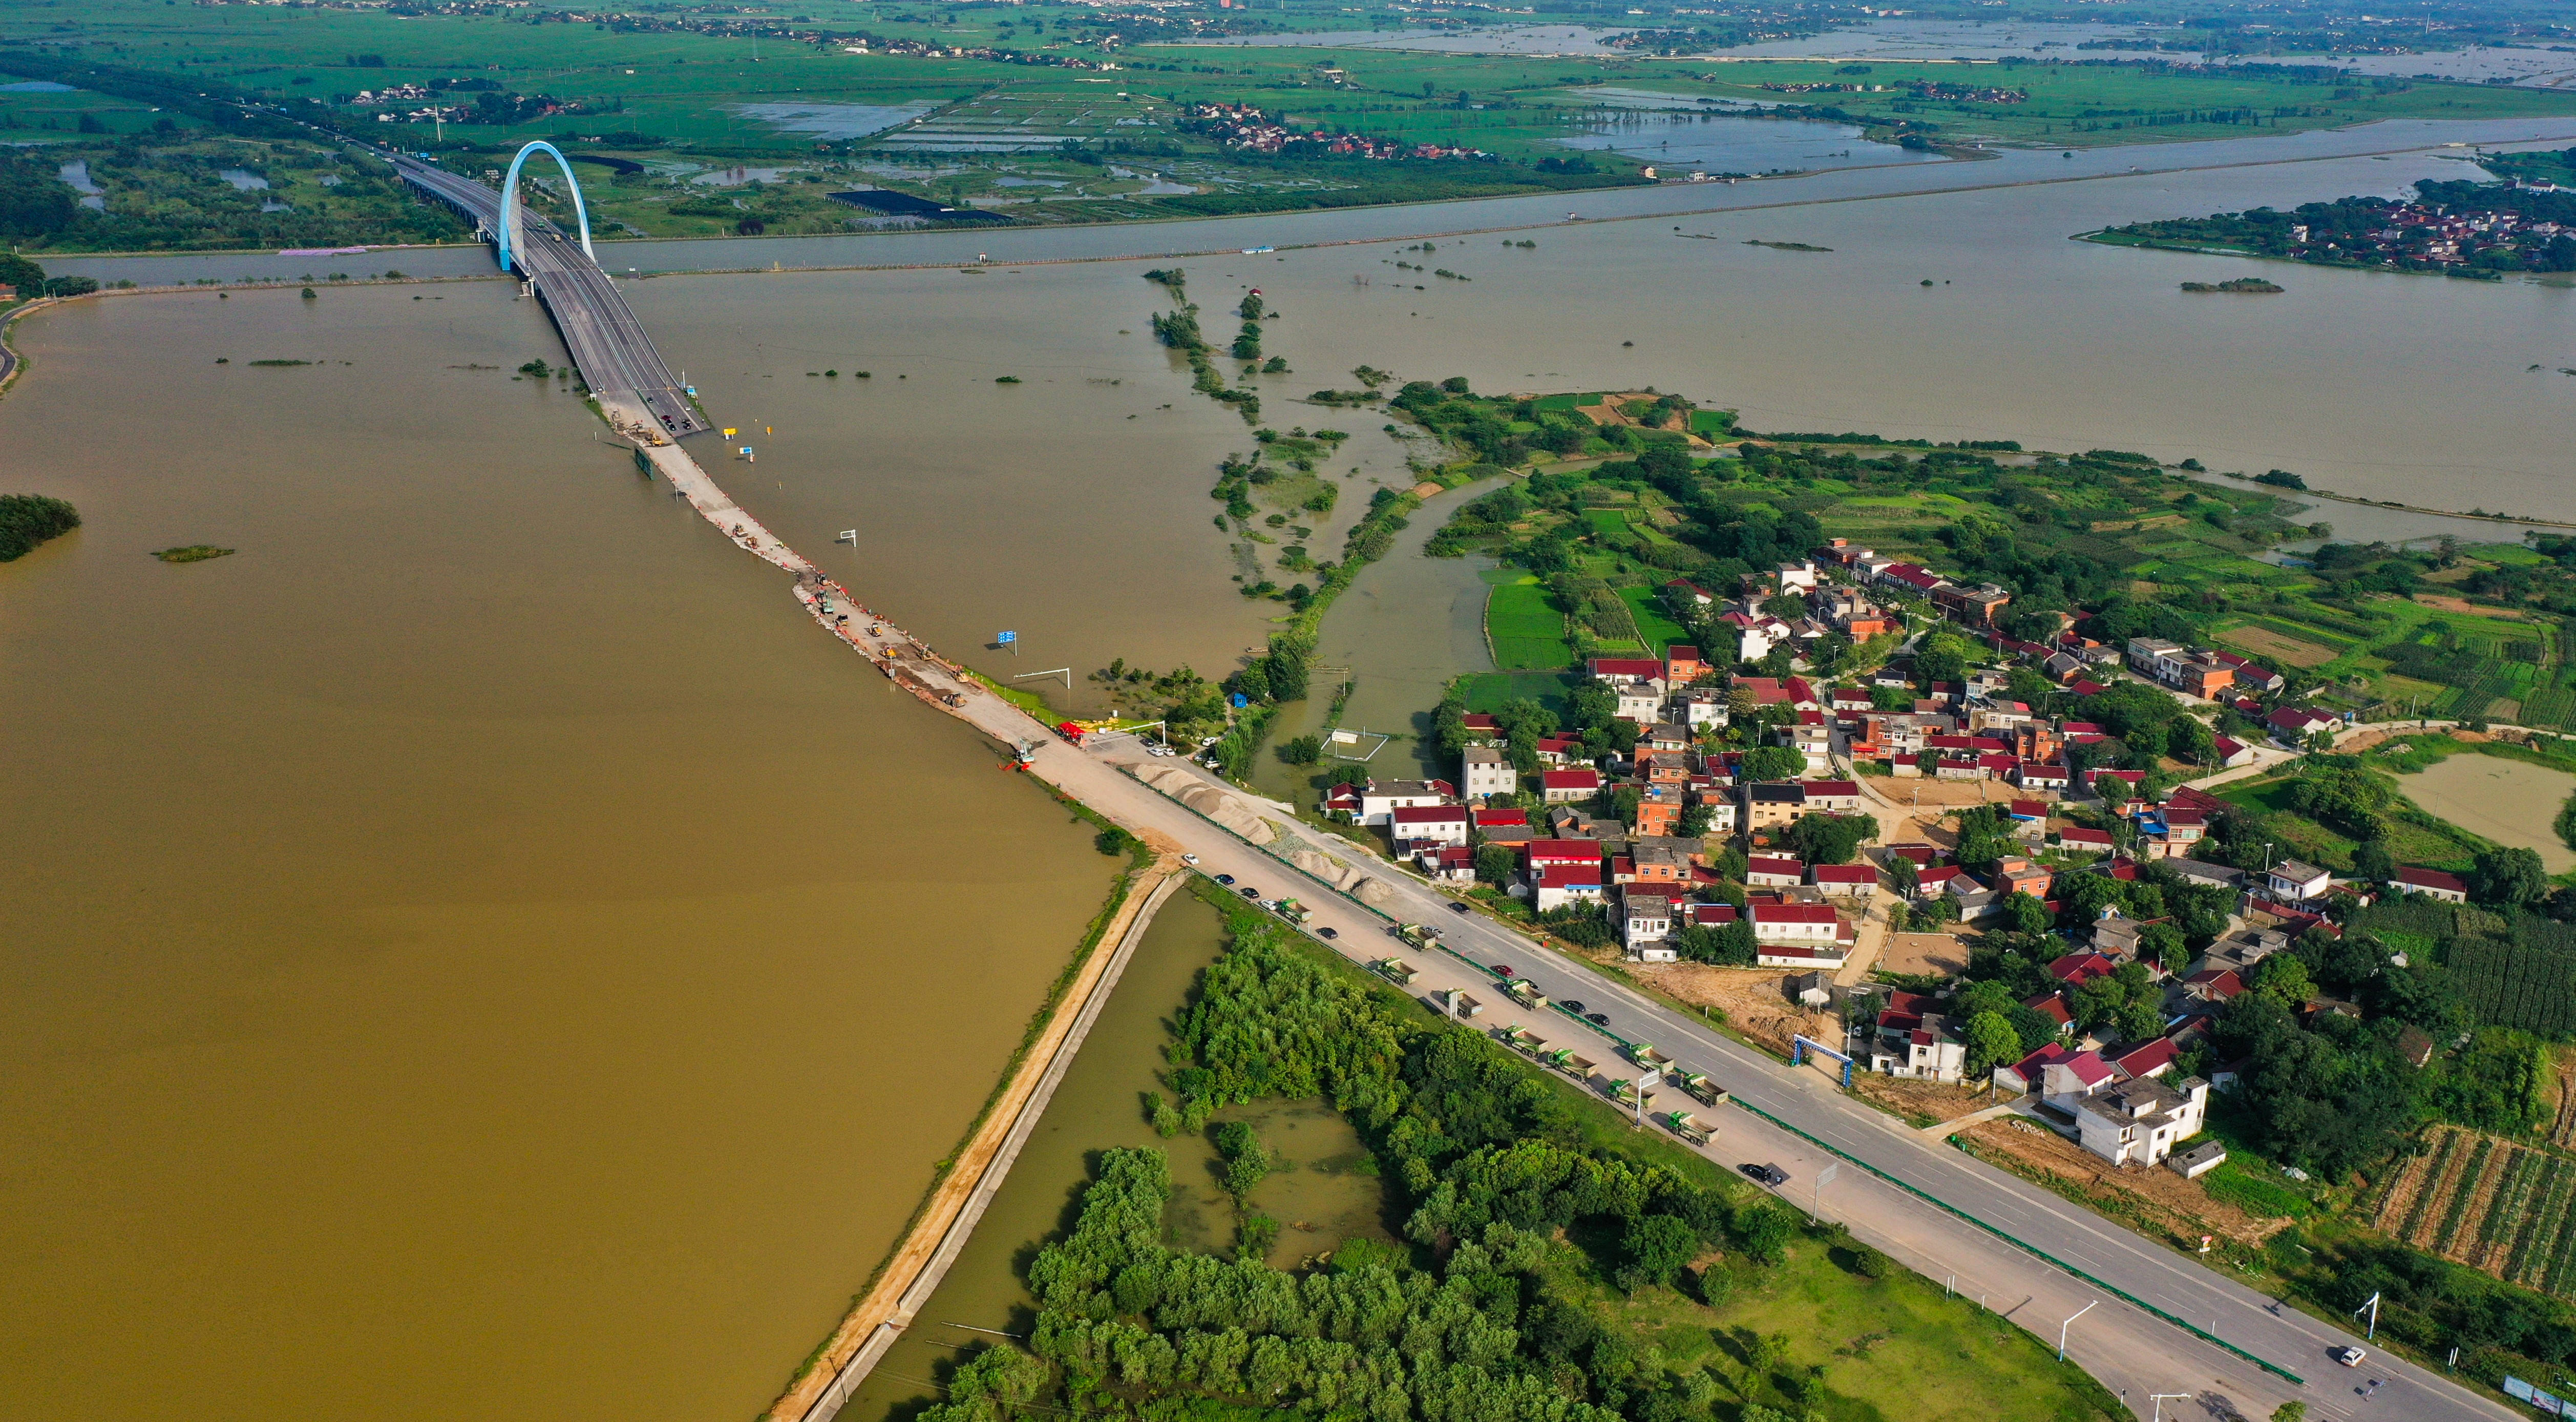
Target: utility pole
pixel 2070 1323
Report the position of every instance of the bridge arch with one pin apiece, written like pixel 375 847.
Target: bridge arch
pixel 510 195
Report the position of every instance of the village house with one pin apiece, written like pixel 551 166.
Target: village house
pixel 2292 725
pixel 2026 1076
pixel 1774 872
pixel 2066 1082
pixel 1413 827
pixel 1553 886
pixel 2294 881
pixel 1846 880
pixel 2141 1120
pixel 1559 787
pixel 1501 826
pixel 2076 839
pixel 1771 804
pixel 2430 883
pixel 1645 924
pixel 1834 797
pixel 1799 936
pixel 1446 865
pixel 1379 802
pixel 1485 772
pixel 2185 669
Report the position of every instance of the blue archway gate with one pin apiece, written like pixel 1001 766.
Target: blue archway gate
pixel 510 200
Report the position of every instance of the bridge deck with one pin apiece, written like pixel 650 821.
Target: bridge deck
pixel 607 342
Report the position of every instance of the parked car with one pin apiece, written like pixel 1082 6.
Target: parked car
pixel 1328 933
pixel 1771 1175
pixel 1225 878
pixel 1571 1005
pixel 1190 859
pixel 1457 907
pixel 1596 1019
pixel 2348 1355
pixel 1504 970
pixel 1249 892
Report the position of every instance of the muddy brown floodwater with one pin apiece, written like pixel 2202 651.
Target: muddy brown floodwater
pixel 1318 1193
pixel 476 951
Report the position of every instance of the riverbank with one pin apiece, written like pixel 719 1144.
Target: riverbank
pixel 949 1217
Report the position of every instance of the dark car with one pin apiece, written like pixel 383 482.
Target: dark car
pixel 1571 1005
pixel 1596 1019
pixel 1767 1174
pixel 1457 907
pixel 1249 892
pixel 1328 933
pixel 1225 878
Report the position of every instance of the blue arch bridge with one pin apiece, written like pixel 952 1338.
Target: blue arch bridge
pixel 605 341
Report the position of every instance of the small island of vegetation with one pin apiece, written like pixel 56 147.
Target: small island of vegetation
pixel 2243 285
pixel 2466 229
pixel 193 553
pixel 1785 246
pixel 29 519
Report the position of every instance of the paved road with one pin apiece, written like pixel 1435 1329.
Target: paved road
pixel 608 344
pixel 2125 1347
pixel 2131 1351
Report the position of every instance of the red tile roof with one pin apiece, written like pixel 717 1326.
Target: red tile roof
pixel 2089 1068
pixel 2029 1067
pixel 1845 874
pixel 1570 779
pixel 1793 913
pixel 1486 818
pixel 1429 815
pixel 2078 968
pixel 1647 667
pixel 1563 851
pixel 2154 1055
pixel 1774 864
pixel 2413 877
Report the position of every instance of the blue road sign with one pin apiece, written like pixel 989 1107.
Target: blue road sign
pixel 1009 637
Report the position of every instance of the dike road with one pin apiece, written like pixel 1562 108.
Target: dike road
pixel 2160 1322
pixel 2153 1321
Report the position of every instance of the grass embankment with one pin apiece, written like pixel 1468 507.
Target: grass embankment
pixel 954 1178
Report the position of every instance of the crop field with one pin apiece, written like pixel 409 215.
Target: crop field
pixel 1646 604
pixel 1492 691
pixel 2516 983
pixel 1527 632
pixel 2492 1204
pixel 2257 640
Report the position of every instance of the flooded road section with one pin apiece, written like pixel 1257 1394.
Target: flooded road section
pixel 474 951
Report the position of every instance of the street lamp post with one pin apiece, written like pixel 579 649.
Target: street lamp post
pixel 2161 1398
pixel 2070 1323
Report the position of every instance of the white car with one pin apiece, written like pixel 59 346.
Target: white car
pixel 1190 859
pixel 2348 1355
